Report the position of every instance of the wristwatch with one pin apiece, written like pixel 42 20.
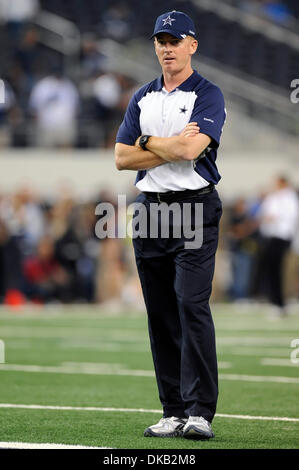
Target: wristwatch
pixel 143 141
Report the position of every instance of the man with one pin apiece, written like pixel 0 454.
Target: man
pixel 170 134
pixel 278 226
pixel 54 101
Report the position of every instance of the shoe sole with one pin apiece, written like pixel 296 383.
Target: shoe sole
pixel 150 433
pixel 193 433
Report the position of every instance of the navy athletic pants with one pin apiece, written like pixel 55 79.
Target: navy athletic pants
pixel 176 284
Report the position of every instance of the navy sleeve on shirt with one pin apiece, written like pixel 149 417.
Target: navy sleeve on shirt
pixel 129 129
pixel 209 112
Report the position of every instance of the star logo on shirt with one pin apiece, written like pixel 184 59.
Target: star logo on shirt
pixel 183 110
pixel 168 20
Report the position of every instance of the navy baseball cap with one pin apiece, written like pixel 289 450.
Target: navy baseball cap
pixel 176 23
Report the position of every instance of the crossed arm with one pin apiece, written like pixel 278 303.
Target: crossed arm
pixel 186 146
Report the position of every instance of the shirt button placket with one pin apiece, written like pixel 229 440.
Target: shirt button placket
pixel 164 108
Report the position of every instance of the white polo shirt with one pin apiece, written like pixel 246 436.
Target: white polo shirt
pixel 154 111
pixel 280 214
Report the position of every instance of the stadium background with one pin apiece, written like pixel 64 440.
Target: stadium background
pixel 57 148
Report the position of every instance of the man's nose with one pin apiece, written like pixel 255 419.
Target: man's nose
pixel 167 46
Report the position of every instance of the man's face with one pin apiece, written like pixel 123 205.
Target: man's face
pixel 174 54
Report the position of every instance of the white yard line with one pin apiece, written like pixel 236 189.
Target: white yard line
pixel 253 341
pixel 254 351
pixel 78 332
pixel 94 366
pixel 132 335
pixel 259 418
pixel 88 369
pixel 271 361
pixel 100 369
pixel 137 410
pixel 29 445
pixel 259 378
pixel 109 369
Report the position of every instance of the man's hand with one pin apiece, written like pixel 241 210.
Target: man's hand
pixel 132 157
pixel 190 130
pixel 188 145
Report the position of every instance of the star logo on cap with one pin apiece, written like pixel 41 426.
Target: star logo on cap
pixel 168 20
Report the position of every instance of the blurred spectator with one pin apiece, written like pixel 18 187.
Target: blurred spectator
pixel 16 13
pixel 7 111
pixel 117 21
pixel 59 214
pixel 28 55
pixel 243 246
pixel 277 11
pixel 87 263
pixel 92 61
pixel 110 272
pixel 45 279
pixel 77 251
pixel 11 276
pixel 251 6
pixel 107 91
pixel 107 94
pixel 23 217
pixel 278 225
pixel 54 101
pixel 273 10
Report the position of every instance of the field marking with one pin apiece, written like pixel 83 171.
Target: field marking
pixel 90 345
pixel 108 369
pixel 94 366
pixel 142 348
pixel 29 445
pixel 88 368
pixel 247 351
pixel 137 410
pixel 272 361
pixel 124 337
pixel 101 369
pixel 95 333
pixel 253 341
pixel 259 378
pixel 261 418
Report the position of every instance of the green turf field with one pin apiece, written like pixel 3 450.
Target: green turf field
pixel 83 357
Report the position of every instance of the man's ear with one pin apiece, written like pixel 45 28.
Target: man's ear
pixel 194 46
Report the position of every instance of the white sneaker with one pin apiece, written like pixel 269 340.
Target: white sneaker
pixel 166 427
pixel 197 428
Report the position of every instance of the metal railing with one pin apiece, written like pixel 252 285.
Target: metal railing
pixel 249 21
pixel 61 35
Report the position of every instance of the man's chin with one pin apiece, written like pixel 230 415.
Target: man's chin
pixel 170 67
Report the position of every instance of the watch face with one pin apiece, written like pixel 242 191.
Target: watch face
pixel 143 141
